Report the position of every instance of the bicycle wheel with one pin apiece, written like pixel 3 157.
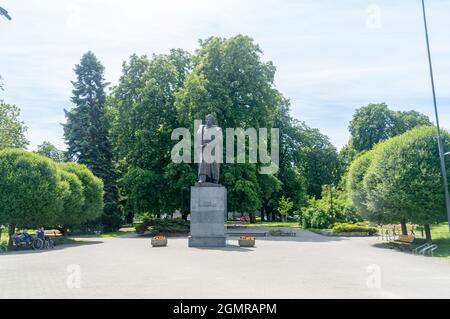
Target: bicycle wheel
pixel 49 244
pixel 37 243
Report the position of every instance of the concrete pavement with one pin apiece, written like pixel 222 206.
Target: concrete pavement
pixel 306 266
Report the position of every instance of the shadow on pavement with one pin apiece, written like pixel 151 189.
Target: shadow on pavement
pixel 42 251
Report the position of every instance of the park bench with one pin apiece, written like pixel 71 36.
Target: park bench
pixel 52 233
pixel 403 241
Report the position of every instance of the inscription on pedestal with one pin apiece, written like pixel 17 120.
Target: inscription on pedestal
pixel 208 215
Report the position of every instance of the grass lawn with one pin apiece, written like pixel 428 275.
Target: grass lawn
pixel 274 224
pixel 441 236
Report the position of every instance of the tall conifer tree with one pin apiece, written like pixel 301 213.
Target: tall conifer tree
pixel 86 133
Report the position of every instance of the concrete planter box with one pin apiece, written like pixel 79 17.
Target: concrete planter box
pixel 159 242
pixel 247 242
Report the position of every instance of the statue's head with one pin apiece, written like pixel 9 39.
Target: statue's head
pixel 209 120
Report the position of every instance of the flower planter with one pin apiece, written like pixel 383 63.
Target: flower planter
pixel 159 242
pixel 247 241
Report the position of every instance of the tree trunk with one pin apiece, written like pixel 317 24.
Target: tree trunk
pixel 130 217
pixel 252 218
pixel 11 231
pixel 263 213
pixel 427 232
pixel 404 228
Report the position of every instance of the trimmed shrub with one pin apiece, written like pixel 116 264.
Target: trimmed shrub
pixel 29 189
pixel 158 226
pixel 92 189
pixel 349 228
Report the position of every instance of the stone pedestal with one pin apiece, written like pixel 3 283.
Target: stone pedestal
pixel 208 215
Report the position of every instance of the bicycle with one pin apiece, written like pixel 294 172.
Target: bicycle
pixel 49 243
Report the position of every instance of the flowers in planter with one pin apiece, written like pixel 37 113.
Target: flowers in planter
pixel 246 241
pixel 159 241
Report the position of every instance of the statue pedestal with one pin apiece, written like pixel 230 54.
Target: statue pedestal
pixel 208 215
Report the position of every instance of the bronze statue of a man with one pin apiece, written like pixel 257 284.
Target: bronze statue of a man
pixel 210 151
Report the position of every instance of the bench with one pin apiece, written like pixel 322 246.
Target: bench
pixel 403 240
pixel 52 233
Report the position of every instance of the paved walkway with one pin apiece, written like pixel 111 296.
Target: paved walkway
pixel 306 266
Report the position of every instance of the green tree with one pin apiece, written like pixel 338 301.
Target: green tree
pixel 12 130
pixel 376 122
pixel 407 178
pixel 346 156
pixel 285 205
pixel 230 80
pixel 242 189
pixel 178 180
pixel 49 150
pixel 269 185
pixel 86 133
pixel 144 115
pixel 407 120
pixel 371 124
pixel 29 190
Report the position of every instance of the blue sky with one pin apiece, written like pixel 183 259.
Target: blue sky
pixel 331 56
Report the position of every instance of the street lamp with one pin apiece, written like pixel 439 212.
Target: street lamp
pixel 440 145
pixel 4 13
pixel 330 187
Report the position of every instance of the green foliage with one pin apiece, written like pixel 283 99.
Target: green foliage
pixel 158 226
pixel 49 150
pixel 400 180
pixel 86 133
pixel 358 227
pixel 143 116
pixel 324 212
pixel 29 189
pixel 285 205
pixel 405 177
pixel 92 189
pixel 12 130
pixel 376 122
pixel 370 125
pixel 355 186
pixel 242 188
pixel 226 77
pixel 307 158
pixel 71 192
pixel 140 186
pixel 176 225
pixel 317 215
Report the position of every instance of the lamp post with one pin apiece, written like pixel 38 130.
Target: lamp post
pixel 330 187
pixel 439 139
pixel 4 13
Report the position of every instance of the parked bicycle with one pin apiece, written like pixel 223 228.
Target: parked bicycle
pixel 25 240
pixel 48 242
